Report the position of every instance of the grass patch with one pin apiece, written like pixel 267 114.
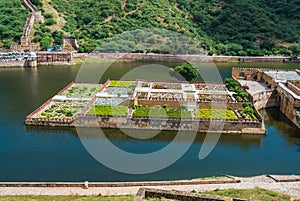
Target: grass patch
pixel 215 114
pixel 161 112
pixel 66 198
pixel 119 83
pixel 253 194
pixel 103 110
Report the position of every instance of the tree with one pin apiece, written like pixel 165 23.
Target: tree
pixel 187 70
pixel 58 37
pixel 45 43
pixel 295 48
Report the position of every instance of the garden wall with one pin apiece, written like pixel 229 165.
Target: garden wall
pixel 178 103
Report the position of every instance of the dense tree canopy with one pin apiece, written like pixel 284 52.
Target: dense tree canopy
pixel 187 70
pixel 231 27
pixel 12 19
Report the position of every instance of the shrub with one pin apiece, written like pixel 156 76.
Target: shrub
pixel 50 22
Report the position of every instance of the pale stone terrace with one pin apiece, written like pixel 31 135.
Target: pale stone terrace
pixel 283 76
pixel 254 87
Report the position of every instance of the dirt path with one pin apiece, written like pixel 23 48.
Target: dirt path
pixel 291 188
pixel 60 21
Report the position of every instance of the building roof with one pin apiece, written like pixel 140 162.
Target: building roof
pixel 283 76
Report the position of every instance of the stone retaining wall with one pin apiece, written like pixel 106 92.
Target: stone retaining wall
pixel 12 63
pixel 18 64
pixel 174 58
pixel 200 125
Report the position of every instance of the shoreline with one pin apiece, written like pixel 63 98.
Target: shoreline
pixel 82 58
pixel 291 187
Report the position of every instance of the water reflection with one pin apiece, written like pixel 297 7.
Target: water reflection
pixel 244 141
pixel 274 118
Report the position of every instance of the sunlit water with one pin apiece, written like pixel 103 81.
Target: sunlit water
pixel 52 154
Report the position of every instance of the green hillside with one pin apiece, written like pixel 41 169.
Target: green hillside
pixel 12 19
pixel 231 27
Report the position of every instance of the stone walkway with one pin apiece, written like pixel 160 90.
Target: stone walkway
pixel 265 182
pixel 254 87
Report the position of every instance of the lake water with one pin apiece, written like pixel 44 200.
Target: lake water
pixel 52 154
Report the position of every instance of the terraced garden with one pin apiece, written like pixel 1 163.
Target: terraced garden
pixel 104 110
pixel 215 114
pixel 61 110
pixel 82 90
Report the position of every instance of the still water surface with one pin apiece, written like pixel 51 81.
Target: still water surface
pixel 47 154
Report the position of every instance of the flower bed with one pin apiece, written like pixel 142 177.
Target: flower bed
pixel 145 85
pixel 158 95
pixel 247 113
pixel 109 101
pixel 175 86
pixel 215 114
pixel 142 95
pixel 119 83
pixel 103 110
pixel 209 97
pixel 61 109
pixel 161 112
pixel 82 90
pixel 210 87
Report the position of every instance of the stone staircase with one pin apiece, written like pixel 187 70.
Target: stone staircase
pixel 34 16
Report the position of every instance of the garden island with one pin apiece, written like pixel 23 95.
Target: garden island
pixel 146 104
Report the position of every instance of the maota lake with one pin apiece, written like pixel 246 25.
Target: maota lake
pixel 56 154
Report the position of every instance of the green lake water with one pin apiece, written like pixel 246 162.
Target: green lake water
pixel 56 154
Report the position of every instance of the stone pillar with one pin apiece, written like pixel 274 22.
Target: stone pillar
pixel 32 64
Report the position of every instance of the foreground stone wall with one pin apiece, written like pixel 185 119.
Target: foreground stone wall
pixel 144 193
